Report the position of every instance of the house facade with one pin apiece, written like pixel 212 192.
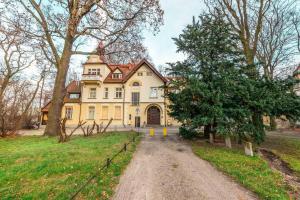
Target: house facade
pixel 131 95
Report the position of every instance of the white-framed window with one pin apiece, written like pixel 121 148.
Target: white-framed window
pixel 116 75
pixel 149 73
pixel 140 73
pixel 94 71
pixel 69 112
pixel 105 93
pixel 135 98
pixel 117 112
pixel 91 114
pixel 92 94
pixel 74 96
pixel 118 93
pixel 154 92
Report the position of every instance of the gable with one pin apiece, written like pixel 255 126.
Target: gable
pixel 145 63
pixel 117 71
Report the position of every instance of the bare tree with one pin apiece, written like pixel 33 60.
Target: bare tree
pixel 16 104
pixel 278 41
pixel 246 18
pixel 296 22
pixel 62 29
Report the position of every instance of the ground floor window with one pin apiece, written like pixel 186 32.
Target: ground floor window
pixel 69 112
pixel 91 112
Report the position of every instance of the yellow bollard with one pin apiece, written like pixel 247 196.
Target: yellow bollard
pixel 151 131
pixel 165 133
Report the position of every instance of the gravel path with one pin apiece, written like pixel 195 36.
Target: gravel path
pixel 167 169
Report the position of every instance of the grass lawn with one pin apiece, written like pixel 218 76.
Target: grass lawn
pixel 287 148
pixel 40 168
pixel 252 172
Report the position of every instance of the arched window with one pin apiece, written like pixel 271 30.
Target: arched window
pixel 136 84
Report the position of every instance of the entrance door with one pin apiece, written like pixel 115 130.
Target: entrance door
pixel 153 116
pixel 137 122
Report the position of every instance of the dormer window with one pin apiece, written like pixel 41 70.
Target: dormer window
pixel 94 71
pixel 74 96
pixel 116 75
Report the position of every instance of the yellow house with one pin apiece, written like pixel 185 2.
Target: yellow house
pixel 132 95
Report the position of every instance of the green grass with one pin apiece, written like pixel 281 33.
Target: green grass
pixel 287 148
pixel 41 168
pixel 252 172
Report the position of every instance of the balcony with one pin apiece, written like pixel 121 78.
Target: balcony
pixel 91 78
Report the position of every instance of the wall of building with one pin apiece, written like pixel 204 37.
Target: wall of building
pixel 124 105
pixel 75 114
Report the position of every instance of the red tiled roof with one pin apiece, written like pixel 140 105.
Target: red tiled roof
pixel 128 70
pixel 73 87
pixel 124 68
pixel 46 107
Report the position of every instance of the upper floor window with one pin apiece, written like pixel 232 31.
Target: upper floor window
pixel 116 75
pixel 154 92
pixel 140 73
pixel 135 98
pixel 118 93
pixel 94 71
pixel 91 112
pixel 69 112
pixel 105 93
pixel 136 84
pixel 92 93
pixel 74 96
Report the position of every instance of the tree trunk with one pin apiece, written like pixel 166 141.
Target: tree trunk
pixel 207 130
pixel 273 124
pixel 59 92
pixel 54 115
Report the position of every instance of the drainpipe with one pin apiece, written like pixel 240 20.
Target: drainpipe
pixel 123 110
pixel 80 102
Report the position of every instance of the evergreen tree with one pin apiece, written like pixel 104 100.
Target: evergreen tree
pixel 213 89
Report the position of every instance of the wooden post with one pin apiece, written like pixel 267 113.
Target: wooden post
pixel 248 149
pixel 228 141
pixel 107 162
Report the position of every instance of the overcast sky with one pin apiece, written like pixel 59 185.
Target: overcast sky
pixel 178 13
pixel 161 47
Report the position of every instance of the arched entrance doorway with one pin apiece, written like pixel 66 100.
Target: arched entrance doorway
pixel 153 115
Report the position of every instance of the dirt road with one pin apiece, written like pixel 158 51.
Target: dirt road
pixel 167 169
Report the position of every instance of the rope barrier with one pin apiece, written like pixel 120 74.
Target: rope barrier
pixel 104 166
